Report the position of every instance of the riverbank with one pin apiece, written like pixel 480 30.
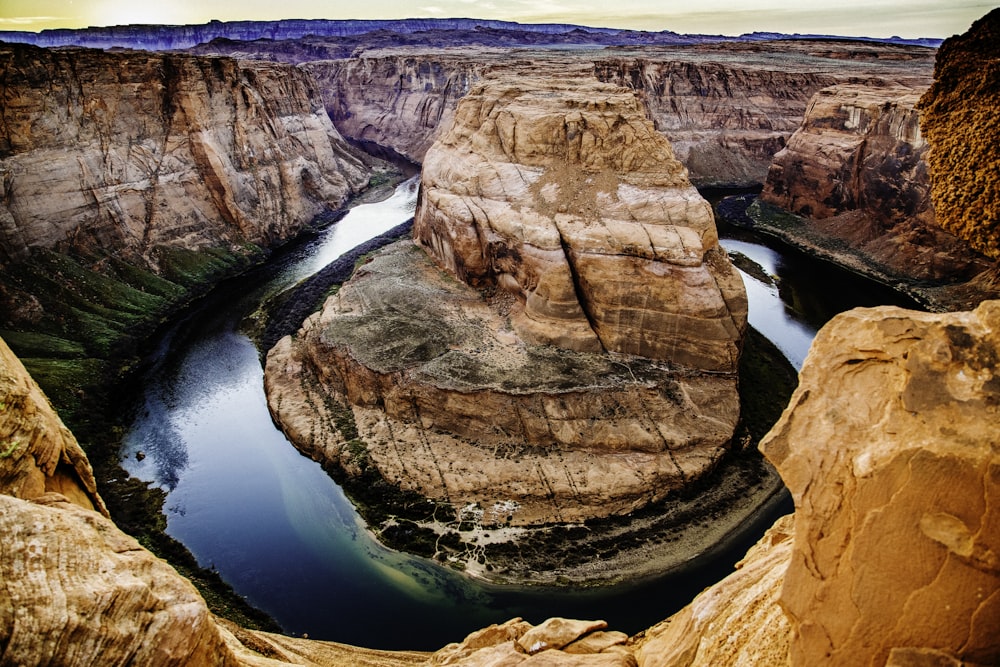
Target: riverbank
pixel 794 232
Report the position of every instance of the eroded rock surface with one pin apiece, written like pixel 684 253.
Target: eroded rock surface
pixel 857 171
pixel 122 153
pixel 582 364
pixel 960 120
pixel 737 621
pixel 726 108
pixel 559 191
pixel 38 454
pixel 450 403
pixel 889 449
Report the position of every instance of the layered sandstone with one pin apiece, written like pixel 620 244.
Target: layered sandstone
pixel 448 402
pixel 857 170
pixel 582 365
pixel 38 454
pixel 960 123
pixel 398 100
pixel 123 153
pixel 559 191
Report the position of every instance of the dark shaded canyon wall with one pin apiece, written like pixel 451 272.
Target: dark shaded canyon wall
pixel 120 153
pixel 961 119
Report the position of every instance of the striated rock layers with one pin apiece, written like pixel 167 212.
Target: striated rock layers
pixel 856 170
pixel 584 363
pixel 123 153
pixel 727 108
pixel 564 195
pixel 960 120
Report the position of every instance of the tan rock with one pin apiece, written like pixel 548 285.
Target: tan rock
pixel 596 642
pixel 38 454
pixel 555 633
pixel 78 591
pixel 454 406
pixel 119 153
pixel 737 621
pixel 566 196
pixel 889 450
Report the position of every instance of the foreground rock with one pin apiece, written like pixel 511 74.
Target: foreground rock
pixel 897 533
pixel 38 454
pixel 891 555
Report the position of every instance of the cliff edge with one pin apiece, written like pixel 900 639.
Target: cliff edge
pixel 561 345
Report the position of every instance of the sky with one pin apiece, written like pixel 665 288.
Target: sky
pixel 872 18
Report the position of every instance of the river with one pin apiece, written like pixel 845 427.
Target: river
pixel 282 533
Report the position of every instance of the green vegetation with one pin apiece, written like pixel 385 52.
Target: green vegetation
pixel 78 326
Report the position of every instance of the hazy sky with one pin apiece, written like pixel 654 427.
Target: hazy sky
pixel 876 18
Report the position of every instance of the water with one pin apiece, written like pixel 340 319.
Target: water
pixel 281 532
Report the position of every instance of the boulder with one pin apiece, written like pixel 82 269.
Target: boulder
pixel 889 449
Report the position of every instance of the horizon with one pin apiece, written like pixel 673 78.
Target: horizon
pixel 849 18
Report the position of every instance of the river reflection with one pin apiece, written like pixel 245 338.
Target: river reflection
pixel 281 532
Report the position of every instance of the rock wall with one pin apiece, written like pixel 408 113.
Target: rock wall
pixel 120 153
pixel 960 121
pixel 858 147
pixel 397 100
pixel 856 173
pixel 896 525
pixel 564 195
pixel 725 117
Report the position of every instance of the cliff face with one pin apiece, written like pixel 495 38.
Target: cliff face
pixel 725 116
pixel 856 170
pixel 582 365
pixel 397 101
pixel 105 154
pixel 566 197
pixel 959 118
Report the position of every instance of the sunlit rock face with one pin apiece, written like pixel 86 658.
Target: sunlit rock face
pixel 38 454
pixel 857 169
pixel 560 191
pixel 563 342
pixel 889 449
pixel 122 153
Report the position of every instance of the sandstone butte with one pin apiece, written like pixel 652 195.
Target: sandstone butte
pixel 583 362
pixel 888 447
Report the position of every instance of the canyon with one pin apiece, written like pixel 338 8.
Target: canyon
pixel 886 560
pixel 543 386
